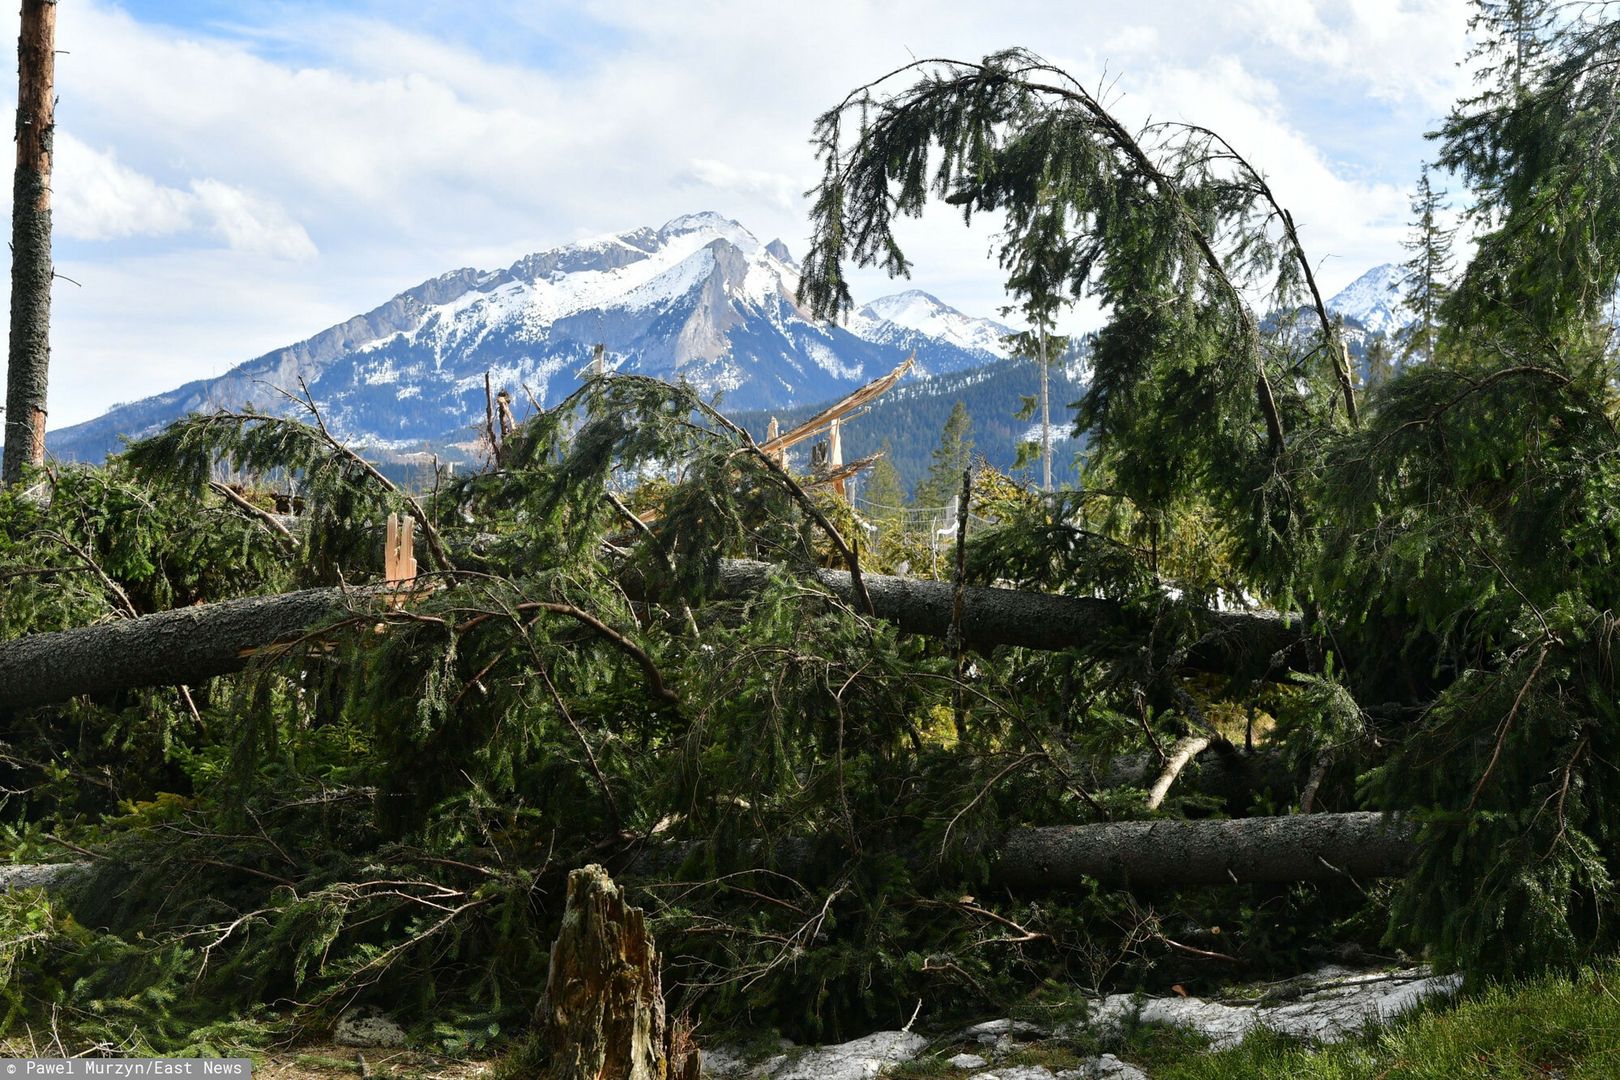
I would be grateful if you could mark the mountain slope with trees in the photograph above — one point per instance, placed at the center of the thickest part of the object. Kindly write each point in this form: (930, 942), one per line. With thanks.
(699, 299)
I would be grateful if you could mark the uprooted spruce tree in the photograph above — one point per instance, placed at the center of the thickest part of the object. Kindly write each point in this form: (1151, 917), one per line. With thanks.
(639, 641)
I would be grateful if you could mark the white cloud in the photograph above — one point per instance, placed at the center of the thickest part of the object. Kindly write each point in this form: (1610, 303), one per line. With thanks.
(718, 176)
(251, 224)
(406, 153)
(96, 197)
(1346, 223)
(1385, 47)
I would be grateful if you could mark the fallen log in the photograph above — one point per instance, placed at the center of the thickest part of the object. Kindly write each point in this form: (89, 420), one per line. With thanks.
(1152, 854)
(1233, 642)
(182, 647)
(1172, 852)
(191, 645)
(1181, 753)
(1157, 854)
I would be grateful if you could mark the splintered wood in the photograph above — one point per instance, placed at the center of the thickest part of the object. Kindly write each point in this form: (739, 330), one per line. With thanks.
(830, 419)
(838, 410)
(399, 559)
(602, 1017)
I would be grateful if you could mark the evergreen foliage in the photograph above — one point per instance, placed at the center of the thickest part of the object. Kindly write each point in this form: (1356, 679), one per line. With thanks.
(386, 812)
(806, 800)
(1422, 537)
(1536, 145)
(1169, 228)
(1426, 272)
(881, 494)
(951, 457)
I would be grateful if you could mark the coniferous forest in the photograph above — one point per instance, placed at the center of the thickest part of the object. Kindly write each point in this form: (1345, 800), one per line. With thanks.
(1297, 664)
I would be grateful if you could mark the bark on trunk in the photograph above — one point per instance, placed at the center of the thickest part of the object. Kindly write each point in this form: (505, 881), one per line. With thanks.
(30, 352)
(1166, 853)
(603, 1013)
(1157, 854)
(194, 644)
(186, 646)
(1154, 854)
(1234, 643)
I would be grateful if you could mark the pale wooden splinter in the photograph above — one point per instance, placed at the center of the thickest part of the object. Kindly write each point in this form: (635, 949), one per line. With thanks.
(399, 558)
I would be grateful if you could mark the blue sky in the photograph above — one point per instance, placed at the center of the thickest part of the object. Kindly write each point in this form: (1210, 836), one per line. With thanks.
(236, 176)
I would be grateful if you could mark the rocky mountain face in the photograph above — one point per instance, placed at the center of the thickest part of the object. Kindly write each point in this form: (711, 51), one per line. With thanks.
(700, 299)
(1373, 300)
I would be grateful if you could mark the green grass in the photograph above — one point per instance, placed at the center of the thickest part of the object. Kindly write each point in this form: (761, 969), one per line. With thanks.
(1553, 1027)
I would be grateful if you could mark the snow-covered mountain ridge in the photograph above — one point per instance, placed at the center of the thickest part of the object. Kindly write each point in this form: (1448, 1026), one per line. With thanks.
(700, 299)
(1374, 300)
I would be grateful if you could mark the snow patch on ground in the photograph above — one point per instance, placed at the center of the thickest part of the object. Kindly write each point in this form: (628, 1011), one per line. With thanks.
(1325, 1006)
(828, 361)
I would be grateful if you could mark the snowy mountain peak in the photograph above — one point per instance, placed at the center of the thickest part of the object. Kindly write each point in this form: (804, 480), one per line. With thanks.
(709, 223)
(1374, 300)
(925, 314)
(909, 308)
(699, 298)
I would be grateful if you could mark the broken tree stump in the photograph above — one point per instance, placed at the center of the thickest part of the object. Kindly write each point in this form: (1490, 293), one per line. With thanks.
(603, 1013)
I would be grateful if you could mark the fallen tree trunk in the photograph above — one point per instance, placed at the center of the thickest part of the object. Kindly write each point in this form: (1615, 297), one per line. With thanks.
(1164, 853)
(1170, 852)
(1233, 642)
(1181, 753)
(1155, 854)
(190, 645)
(182, 647)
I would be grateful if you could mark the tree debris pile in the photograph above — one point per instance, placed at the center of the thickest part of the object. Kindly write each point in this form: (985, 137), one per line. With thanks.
(835, 794)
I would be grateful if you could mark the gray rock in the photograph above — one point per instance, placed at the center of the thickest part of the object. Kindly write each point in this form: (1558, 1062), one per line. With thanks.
(1106, 1067)
(996, 1028)
(41, 875)
(859, 1059)
(368, 1026)
(1326, 1005)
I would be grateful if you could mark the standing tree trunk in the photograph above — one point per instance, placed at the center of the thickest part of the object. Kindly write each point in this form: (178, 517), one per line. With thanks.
(31, 242)
(603, 1014)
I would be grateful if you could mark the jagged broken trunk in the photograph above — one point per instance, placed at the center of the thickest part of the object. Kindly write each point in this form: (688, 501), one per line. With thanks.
(603, 1013)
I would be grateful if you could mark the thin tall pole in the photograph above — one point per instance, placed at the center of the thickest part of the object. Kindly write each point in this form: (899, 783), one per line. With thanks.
(1046, 420)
